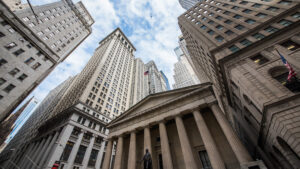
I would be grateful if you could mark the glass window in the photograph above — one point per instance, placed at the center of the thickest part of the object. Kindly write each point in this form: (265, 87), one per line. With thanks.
(285, 22)
(2, 81)
(290, 45)
(9, 88)
(14, 71)
(244, 2)
(296, 15)
(226, 13)
(271, 29)
(285, 2)
(67, 151)
(219, 38)
(203, 27)
(204, 159)
(219, 17)
(234, 48)
(229, 32)
(211, 32)
(245, 42)
(256, 5)
(93, 158)
(250, 21)
(2, 34)
(211, 22)
(273, 9)
(2, 62)
(228, 21)
(239, 27)
(10, 45)
(220, 27)
(29, 60)
(258, 36)
(22, 77)
(18, 52)
(80, 154)
(36, 65)
(259, 59)
(261, 15)
(237, 16)
(247, 11)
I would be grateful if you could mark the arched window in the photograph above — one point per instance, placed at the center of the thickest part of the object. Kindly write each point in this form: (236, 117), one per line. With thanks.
(281, 158)
(280, 73)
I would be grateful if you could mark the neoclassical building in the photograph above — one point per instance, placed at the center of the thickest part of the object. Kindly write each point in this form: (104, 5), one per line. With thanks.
(182, 129)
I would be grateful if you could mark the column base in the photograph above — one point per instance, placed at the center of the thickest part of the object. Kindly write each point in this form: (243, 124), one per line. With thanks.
(254, 165)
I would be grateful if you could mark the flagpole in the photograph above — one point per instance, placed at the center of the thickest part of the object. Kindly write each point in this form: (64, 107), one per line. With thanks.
(149, 82)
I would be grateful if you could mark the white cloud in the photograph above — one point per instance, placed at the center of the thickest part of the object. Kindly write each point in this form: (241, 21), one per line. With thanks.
(151, 25)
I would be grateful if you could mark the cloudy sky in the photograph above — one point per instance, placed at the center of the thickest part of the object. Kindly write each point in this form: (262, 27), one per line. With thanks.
(151, 25)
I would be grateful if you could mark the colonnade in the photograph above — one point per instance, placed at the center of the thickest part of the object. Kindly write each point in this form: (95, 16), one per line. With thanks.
(214, 155)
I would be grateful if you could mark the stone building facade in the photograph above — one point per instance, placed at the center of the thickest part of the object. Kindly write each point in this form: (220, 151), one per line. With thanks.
(32, 46)
(182, 128)
(235, 43)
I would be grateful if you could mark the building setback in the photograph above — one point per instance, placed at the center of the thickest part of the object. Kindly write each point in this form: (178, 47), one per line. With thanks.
(235, 44)
(181, 128)
(187, 4)
(32, 46)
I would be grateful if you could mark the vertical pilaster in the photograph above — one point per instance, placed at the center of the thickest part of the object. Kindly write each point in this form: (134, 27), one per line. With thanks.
(118, 161)
(165, 148)
(132, 151)
(106, 162)
(99, 160)
(74, 151)
(88, 152)
(45, 155)
(39, 156)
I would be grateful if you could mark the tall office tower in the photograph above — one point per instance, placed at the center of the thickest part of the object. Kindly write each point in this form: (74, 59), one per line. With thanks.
(187, 4)
(184, 74)
(31, 50)
(142, 74)
(77, 120)
(166, 81)
(178, 52)
(237, 44)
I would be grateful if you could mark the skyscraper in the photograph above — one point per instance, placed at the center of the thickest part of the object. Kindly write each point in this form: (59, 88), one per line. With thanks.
(187, 4)
(157, 82)
(238, 44)
(32, 46)
(166, 81)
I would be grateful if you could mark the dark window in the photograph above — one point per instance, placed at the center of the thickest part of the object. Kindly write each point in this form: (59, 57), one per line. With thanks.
(245, 42)
(235, 8)
(219, 38)
(76, 131)
(237, 16)
(2, 62)
(244, 2)
(1, 97)
(211, 32)
(258, 36)
(273, 9)
(99, 139)
(271, 29)
(296, 15)
(229, 32)
(228, 21)
(93, 158)
(247, 11)
(203, 27)
(9, 88)
(3, 23)
(80, 154)
(290, 45)
(22, 77)
(220, 27)
(219, 17)
(284, 2)
(261, 15)
(18, 52)
(234, 48)
(79, 119)
(239, 27)
(281, 75)
(2, 81)
(36, 65)
(29, 60)
(226, 12)
(204, 159)
(259, 59)
(256, 5)
(67, 151)
(2, 34)
(285, 22)
(211, 22)
(10, 45)
(250, 21)
(14, 71)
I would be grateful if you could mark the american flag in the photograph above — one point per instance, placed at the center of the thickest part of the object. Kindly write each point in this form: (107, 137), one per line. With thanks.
(146, 73)
(292, 73)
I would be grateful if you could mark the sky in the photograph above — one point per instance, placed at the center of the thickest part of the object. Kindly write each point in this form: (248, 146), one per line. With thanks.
(151, 25)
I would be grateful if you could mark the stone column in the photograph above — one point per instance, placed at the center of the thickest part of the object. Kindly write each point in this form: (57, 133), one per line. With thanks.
(100, 155)
(59, 145)
(27, 156)
(118, 161)
(88, 152)
(107, 157)
(28, 150)
(74, 151)
(147, 140)
(209, 143)
(238, 148)
(39, 156)
(132, 151)
(165, 149)
(32, 162)
(45, 155)
(187, 152)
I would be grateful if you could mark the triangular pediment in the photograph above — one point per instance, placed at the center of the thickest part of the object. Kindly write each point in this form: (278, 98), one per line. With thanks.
(156, 100)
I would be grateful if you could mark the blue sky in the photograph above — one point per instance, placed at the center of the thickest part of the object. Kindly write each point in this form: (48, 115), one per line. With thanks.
(151, 25)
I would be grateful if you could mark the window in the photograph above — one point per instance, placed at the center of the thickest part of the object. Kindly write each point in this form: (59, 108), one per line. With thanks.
(226, 12)
(36, 65)
(285, 22)
(93, 158)
(4, 23)
(259, 59)
(295, 15)
(9, 88)
(245, 42)
(2, 34)
(211, 22)
(29, 60)
(235, 8)
(261, 15)
(256, 5)
(67, 151)
(258, 36)
(22, 77)
(31, 25)
(284, 2)
(211, 32)
(229, 32)
(14, 71)
(290, 45)
(203, 27)
(2, 81)
(10, 45)
(220, 27)
(239, 27)
(228, 21)
(281, 73)
(250, 21)
(234, 48)
(2, 62)
(244, 2)
(237, 16)
(271, 29)
(247, 11)
(204, 159)
(273, 9)
(18, 52)
(219, 17)
(219, 38)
